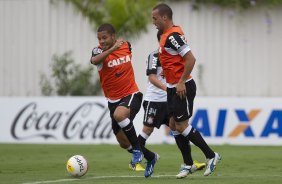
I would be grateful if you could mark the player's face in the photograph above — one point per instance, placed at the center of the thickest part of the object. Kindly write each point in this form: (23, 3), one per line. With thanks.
(106, 40)
(158, 20)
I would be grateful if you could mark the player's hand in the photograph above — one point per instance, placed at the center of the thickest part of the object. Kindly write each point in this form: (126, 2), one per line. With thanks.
(162, 74)
(118, 43)
(181, 90)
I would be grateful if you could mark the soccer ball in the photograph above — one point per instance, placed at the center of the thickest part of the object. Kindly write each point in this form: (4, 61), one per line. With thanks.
(77, 166)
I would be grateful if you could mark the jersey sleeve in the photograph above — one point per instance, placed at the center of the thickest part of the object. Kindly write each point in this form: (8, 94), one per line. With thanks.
(177, 42)
(96, 51)
(152, 62)
(129, 46)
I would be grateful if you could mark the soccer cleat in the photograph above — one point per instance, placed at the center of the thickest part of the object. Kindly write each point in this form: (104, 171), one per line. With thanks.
(136, 167)
(211, 164)
(137, 156)
(185, 170)
(199, 165)
(150, 166)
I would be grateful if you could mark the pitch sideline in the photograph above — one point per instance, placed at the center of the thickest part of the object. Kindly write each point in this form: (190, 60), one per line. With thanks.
(155, 176)
(94, 177)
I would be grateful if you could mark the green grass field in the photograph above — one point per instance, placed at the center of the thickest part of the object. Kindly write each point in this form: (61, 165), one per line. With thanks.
(36, 164)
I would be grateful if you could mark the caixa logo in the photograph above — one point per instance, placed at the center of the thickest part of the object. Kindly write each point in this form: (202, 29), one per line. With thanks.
(272, 124)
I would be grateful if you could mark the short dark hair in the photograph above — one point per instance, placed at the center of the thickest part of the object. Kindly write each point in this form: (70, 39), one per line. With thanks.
(107, 27)
(159, 34)
(164, 9)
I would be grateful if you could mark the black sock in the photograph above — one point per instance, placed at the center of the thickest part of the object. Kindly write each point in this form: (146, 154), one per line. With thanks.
(130, 133)
(196, 138)
(149, 155)
(185, 148)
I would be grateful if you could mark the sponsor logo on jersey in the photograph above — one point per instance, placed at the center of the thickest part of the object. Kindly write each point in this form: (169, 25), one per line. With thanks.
(119, 61)
(154, 62)
(174, 42)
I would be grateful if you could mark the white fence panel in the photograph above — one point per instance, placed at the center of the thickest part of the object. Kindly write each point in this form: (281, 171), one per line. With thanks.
(238, 53)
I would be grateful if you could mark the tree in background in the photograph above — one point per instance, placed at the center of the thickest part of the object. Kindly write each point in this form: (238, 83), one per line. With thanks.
(69, 79)
(129, 17)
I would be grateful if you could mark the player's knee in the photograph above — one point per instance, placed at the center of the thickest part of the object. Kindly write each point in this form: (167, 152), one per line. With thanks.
(178, 129)
(120, 114)
(119, 117)
(181, 126)
(172, 127)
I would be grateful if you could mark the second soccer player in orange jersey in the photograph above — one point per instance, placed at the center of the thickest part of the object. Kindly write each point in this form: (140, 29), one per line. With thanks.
(178, 61)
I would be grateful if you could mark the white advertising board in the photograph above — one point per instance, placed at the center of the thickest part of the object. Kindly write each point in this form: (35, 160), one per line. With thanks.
(86, 120)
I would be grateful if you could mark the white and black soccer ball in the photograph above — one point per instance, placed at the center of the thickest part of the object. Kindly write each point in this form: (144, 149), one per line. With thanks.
(77, 166)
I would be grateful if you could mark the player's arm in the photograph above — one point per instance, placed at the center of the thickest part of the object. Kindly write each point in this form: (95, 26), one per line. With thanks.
(99, 56)
(178, 43)
(155, 81)
(188, 67)
(152, 64)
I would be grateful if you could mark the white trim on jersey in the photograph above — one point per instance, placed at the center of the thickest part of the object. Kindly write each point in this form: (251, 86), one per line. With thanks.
(183, 50)
(171, 51)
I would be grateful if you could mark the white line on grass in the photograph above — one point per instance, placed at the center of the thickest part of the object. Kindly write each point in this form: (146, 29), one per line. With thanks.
(94, 177)
(155, 176)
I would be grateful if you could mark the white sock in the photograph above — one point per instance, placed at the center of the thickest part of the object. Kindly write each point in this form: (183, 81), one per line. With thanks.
(144, 135)
(124, 123)
(187, 131)
(175, 133)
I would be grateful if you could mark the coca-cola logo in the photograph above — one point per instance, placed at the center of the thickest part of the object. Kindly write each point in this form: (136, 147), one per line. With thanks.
(89, 120)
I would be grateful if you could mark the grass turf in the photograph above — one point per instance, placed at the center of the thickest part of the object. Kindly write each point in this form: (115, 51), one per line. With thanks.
(36, 164)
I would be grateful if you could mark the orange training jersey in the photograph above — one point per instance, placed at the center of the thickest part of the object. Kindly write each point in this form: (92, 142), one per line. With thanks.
(173, 47)
(116, 72)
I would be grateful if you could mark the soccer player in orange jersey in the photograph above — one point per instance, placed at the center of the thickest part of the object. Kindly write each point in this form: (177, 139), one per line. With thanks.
(113, 60)
(177, 62)
(155, 108)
